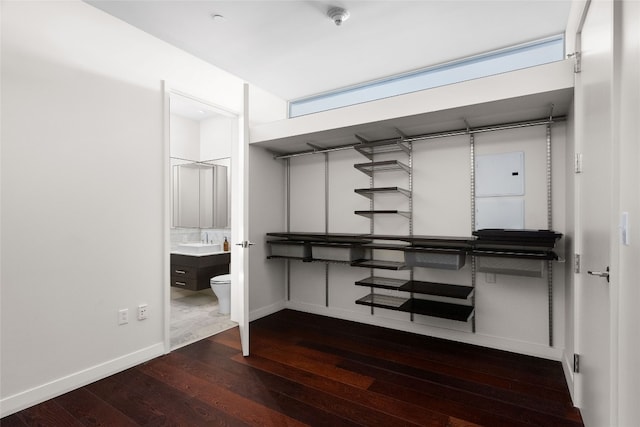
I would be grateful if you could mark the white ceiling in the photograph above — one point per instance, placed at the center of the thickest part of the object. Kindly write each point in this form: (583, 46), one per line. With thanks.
(293, 50)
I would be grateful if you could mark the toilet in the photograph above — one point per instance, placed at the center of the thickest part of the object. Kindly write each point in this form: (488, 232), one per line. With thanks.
(221, 286)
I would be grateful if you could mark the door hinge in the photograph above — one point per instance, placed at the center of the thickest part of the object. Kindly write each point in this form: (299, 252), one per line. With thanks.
(577, 61)
(576, 263)
(576, 363)
(577, 163)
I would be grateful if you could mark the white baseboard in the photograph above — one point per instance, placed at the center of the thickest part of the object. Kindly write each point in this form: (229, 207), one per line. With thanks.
(567, 367)
(499, 343)
(27, 398)
(265, 311)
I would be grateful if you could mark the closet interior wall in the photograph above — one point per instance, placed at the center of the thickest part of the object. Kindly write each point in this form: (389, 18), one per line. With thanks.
(512, 313)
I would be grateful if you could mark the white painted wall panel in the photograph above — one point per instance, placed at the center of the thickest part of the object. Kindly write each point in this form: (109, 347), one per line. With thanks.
(185, 138)
(343, 292)
(308, 283)
(216, 137)
(500, 212)
(513, 308)
(442, 182)
(307, 178)
(343, 179)
(266, 213)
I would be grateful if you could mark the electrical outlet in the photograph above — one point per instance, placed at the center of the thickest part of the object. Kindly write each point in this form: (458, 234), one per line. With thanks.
(143, 311)
(123, 316)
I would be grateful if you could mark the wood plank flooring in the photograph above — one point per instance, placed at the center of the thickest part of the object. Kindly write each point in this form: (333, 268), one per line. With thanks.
(313, 370)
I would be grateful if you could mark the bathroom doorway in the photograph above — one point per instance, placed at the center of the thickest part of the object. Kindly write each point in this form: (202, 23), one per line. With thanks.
(200, 145)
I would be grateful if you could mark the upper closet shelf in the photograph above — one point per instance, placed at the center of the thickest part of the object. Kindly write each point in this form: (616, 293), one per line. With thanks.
(369, 192)
(384, 166)
(369, 149)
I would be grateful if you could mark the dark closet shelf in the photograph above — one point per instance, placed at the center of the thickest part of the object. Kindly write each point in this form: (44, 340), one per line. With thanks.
(384, 166)
(443, 310)
(384, 265)
(370, 214)
(369, 192)
(540, 255)
(322, 237)
(369, 149)
(418, 287)
(439, 289)
(529, 248)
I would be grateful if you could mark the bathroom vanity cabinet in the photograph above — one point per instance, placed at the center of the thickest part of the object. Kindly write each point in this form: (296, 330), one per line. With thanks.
(194, 272)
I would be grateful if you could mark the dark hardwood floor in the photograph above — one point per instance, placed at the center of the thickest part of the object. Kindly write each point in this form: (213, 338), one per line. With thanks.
(312, 370)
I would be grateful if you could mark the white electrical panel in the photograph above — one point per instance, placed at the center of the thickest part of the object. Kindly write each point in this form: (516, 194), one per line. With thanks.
(500, 175)
(500, 212)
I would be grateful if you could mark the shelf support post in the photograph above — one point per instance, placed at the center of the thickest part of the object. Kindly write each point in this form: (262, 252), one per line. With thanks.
(549, 227)
(326, 225)
(288, 185)
(472, 163)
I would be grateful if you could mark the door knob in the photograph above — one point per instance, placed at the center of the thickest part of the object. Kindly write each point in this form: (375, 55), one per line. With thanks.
(245, 244)
(604, 274)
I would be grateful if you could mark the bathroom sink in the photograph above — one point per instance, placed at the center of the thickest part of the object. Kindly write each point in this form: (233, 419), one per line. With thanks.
(199, 248)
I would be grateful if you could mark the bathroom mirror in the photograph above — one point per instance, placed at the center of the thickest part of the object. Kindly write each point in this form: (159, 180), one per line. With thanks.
(200, 195)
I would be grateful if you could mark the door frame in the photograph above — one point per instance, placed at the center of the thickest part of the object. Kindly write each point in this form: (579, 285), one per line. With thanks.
(167, 91)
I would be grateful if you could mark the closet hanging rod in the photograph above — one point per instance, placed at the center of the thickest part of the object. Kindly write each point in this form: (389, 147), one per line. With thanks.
(424, 137)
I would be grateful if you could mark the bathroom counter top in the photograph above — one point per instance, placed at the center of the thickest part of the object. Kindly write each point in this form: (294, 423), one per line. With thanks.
(179, 252)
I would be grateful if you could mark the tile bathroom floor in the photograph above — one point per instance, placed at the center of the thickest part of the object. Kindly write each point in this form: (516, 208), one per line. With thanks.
(194, 316)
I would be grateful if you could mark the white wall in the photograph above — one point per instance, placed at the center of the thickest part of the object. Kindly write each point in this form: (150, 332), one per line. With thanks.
(201, 140)
(83, 192)
(185, 138)
(569, 254)
(511, 313)
(266, 213)
(216, 137)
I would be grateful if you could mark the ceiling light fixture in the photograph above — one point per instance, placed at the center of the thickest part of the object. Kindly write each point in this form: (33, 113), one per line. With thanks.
(217, 17)
(338, 15)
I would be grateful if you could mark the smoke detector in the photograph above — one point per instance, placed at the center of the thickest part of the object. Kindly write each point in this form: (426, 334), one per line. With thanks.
(338, 15)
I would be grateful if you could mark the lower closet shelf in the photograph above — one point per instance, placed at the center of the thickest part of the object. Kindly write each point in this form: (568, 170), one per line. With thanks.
(424, 307)
(384, 265)
(418, 287)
